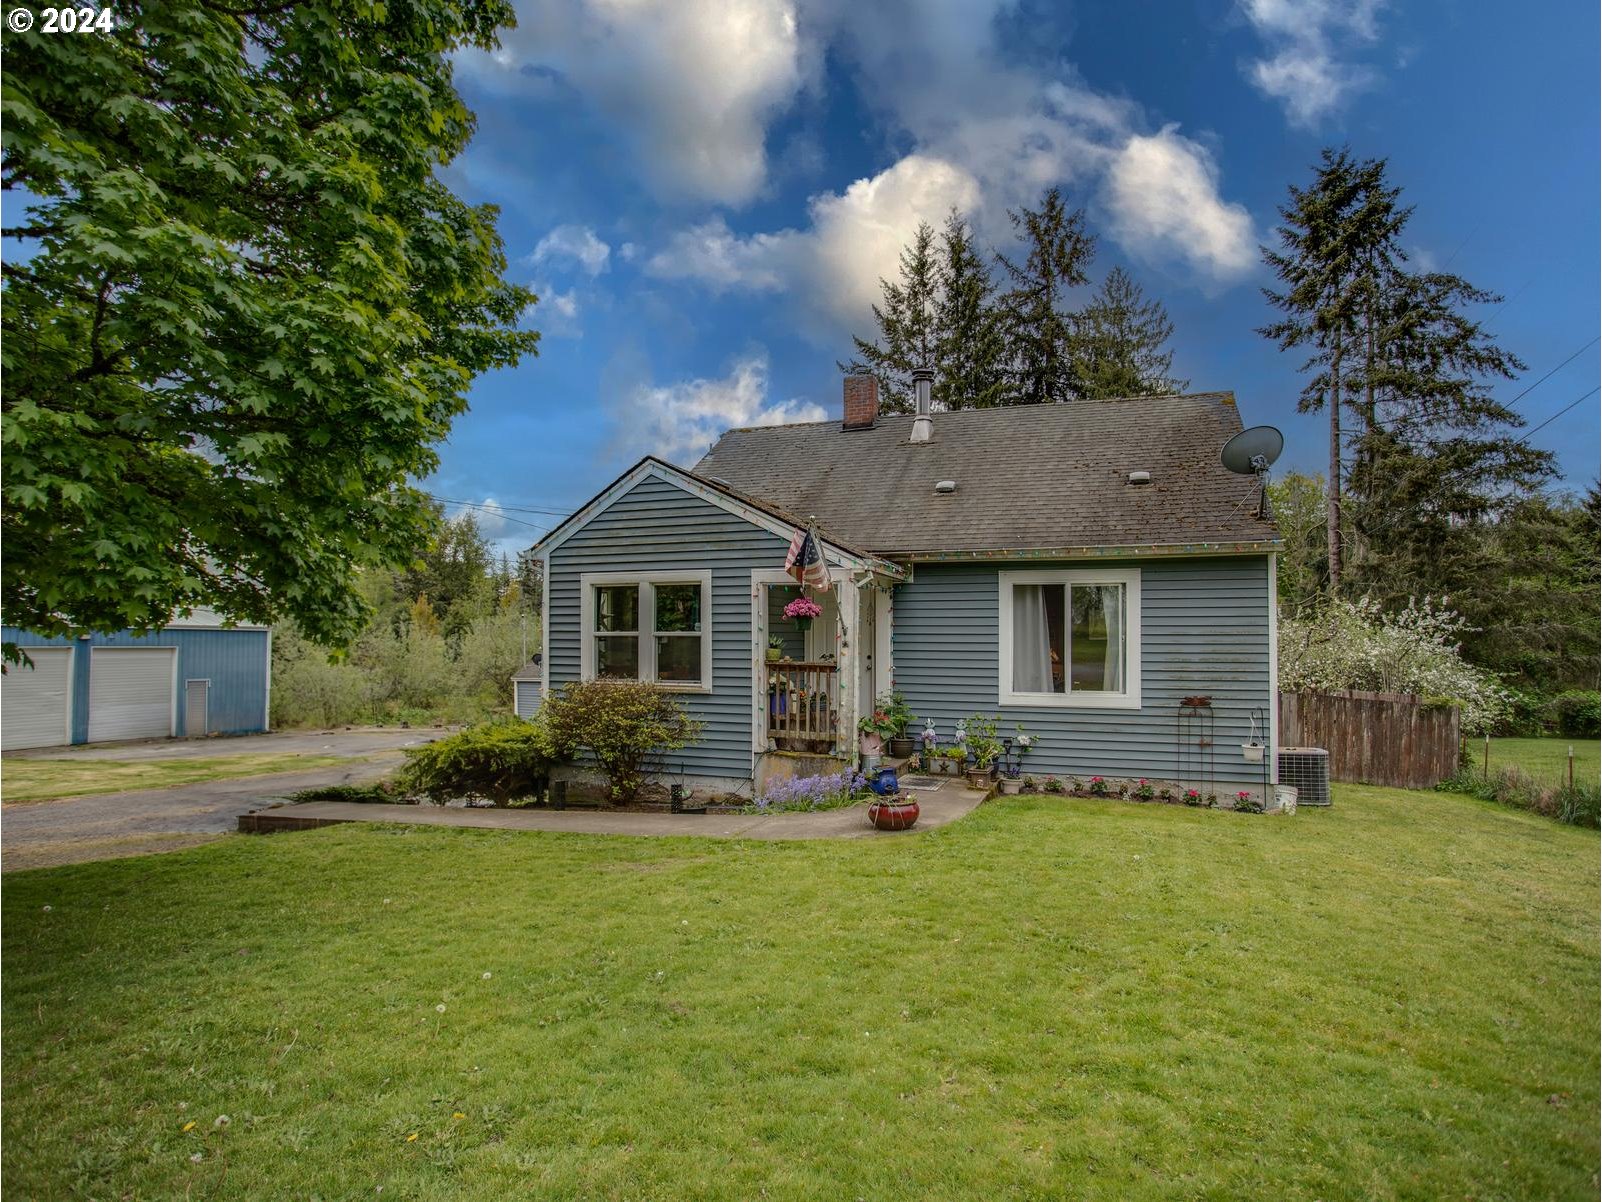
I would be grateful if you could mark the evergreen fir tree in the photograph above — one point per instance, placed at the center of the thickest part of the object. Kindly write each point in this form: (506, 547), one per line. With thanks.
(1339, 245)
(1121, 343)
(970, 346)
(906, 321)
(1039, 324)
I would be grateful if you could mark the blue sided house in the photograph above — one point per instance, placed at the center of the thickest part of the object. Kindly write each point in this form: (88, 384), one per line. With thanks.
(198, 676)
(1087, 571)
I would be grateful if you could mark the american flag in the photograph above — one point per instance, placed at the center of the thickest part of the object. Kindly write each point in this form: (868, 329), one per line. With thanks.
(805, 561)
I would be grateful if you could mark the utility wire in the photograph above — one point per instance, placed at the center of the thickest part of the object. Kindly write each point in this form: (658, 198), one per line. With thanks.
(1562, 411)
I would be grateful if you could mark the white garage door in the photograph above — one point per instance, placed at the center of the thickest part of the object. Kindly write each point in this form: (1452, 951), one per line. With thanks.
(130, 692)
(36, 702)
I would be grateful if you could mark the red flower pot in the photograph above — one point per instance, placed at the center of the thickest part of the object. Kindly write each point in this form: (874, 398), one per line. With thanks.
(895, 815)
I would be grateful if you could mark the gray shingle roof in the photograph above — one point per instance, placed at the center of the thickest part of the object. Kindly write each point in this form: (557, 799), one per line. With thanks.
(1029, 477)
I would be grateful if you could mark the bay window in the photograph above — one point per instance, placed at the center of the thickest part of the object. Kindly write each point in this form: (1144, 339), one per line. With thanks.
(652, 627)
(1070, 637)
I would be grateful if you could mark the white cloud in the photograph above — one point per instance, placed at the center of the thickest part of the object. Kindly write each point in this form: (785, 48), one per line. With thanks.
(835, 264)
(1304, 38)
(576, 243)
(693, 82)
(678, 422)
(1163, 194)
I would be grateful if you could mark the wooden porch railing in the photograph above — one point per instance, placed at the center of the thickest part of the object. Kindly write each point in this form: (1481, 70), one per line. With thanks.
(802, 705)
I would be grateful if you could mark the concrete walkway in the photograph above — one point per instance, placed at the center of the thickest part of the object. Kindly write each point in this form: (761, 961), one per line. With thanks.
(936, 809)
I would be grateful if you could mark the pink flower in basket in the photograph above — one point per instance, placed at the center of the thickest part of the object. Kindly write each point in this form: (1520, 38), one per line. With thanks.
(803, 607)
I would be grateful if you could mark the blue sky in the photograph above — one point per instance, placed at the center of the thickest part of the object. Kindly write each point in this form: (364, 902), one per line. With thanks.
(705, 193)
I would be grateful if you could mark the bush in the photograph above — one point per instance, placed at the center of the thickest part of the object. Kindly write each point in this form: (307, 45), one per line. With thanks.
(1529, 715)
(505, 761)
(382, 793)
(1579, 805)
(1577, 713)
(623, 725)
(1355, 645)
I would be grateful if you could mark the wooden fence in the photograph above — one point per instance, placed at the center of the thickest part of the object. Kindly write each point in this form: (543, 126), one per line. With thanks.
(1374, 738)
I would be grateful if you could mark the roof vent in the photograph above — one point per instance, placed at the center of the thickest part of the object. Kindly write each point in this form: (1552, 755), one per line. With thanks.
(1140, 477)
(945, 486)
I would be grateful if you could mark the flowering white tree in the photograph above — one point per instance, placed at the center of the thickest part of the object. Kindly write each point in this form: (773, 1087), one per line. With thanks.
(1354, 645)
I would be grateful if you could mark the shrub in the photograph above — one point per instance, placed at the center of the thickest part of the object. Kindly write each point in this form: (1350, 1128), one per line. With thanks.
(1580, 805)
(507, 760)
(376, 794)
(1355, 645)
(1577, 713)
(829, 792)
(1528, 715)
(1247, 804)
(622, 725)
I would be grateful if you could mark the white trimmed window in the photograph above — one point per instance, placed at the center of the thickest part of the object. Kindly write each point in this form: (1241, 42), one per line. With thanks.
(1070, 638)
(653, 627)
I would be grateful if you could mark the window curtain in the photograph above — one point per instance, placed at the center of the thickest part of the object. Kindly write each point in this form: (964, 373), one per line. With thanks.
(1112, 608)
(1031, 640)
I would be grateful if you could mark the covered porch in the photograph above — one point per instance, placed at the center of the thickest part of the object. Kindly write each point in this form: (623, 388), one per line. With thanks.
(812, 679)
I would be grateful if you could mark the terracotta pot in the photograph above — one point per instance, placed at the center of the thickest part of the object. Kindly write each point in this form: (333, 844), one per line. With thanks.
(901, 747)
(869, 742)
(897, 814)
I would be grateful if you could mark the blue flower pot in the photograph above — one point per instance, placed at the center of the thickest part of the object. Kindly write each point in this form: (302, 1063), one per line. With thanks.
(884, 782)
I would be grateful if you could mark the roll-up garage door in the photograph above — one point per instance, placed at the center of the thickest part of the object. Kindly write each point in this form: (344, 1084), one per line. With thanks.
(130, 693)
(35, 703)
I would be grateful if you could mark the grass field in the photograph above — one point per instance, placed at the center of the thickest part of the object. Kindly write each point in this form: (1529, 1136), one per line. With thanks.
(1395, 998)
(44, 780)
(1544, 759)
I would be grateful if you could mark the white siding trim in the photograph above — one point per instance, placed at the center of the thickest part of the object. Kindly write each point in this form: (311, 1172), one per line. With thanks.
(647, 581)
(1127, 700)
(545, 625)
(648, 469)
(1273, 669)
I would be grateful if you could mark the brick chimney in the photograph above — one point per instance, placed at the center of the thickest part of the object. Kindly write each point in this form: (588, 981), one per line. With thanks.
(861, 403)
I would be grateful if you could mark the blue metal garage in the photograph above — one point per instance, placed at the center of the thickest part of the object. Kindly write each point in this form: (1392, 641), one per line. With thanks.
(195, 677)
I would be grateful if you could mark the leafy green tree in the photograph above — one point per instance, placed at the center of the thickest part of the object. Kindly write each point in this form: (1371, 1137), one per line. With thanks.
(906, 321)
(1338, 242)
(1121, 343)
(970, 340)
(454, 568)
(245, 308)
(1300, 505)
(1039, 323)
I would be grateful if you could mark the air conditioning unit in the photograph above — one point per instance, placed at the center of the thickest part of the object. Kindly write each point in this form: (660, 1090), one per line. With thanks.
(1307, 770)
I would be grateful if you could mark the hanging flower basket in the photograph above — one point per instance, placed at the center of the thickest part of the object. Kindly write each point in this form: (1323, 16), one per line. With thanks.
(802, 610)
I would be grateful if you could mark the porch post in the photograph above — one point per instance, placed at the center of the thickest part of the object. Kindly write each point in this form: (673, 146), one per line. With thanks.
(849, 604)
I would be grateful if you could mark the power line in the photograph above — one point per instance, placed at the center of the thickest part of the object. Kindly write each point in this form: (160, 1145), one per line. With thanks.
(491, 508)
(1562, 411)
(1554, 371)
(540, 509)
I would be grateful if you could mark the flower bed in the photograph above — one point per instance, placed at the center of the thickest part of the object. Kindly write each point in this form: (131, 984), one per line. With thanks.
(807, 793)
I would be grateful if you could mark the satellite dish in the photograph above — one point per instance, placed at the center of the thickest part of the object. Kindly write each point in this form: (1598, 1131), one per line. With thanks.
(1250, 453)
(1253, 451)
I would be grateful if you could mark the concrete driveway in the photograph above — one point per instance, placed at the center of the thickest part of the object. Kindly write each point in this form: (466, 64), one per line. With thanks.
(105, 825)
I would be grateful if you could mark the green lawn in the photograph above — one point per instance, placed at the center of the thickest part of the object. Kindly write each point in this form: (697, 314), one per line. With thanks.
(1396, 998)
(43, 780)
(1544, 759)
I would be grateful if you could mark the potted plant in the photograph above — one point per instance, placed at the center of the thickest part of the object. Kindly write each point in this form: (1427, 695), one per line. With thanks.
(775, 649)
(871, 732)
(802, 610)
(893, 705)
(1011, 785)
(985, 749)
(893, 813)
